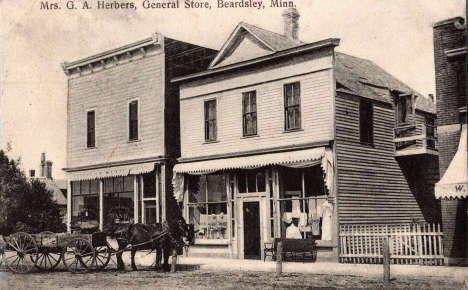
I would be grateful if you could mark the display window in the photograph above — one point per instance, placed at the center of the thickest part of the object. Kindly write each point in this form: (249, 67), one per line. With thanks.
(207, 205)
(304, 208)
(118, 201)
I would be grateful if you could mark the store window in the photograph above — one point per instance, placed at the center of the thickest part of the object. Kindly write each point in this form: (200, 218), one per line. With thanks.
(305, 211)
(207, 205)
(118, 201)
(85, 200)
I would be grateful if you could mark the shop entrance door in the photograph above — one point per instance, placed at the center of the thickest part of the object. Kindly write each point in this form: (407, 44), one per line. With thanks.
(252, 230)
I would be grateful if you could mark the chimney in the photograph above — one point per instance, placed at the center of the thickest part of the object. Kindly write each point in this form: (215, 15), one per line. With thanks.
(32, 173)
(43, 169)
(291, 23)
(431, 97)
(49, 169)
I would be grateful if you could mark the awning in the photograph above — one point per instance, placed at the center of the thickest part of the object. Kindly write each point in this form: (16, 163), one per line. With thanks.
(113, 171)
(301, 158)
(454, 182)
(296, 159)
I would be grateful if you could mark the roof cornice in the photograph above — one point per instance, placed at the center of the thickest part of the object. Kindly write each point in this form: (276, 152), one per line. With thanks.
(457, 21)
(331, 42)
(155, 39)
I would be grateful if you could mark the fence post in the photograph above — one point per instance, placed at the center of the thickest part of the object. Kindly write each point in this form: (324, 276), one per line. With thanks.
(174, 260)
(279, 258)
(386, 260)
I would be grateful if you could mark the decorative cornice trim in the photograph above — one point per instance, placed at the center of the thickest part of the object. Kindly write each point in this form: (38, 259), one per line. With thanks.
(118, 163)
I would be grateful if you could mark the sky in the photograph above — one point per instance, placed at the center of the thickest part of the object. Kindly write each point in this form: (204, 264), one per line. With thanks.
(396, 35)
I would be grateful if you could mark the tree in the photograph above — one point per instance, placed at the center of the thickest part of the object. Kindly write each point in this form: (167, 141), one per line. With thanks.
(25, 205)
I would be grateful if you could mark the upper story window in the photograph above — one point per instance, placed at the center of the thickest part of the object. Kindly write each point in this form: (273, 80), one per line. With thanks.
(249, 113)
(292, 106)
(91, 129)
(210, 120)
(366, 122)
(133, 120)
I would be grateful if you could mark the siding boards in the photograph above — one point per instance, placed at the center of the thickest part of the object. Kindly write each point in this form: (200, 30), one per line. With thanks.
(316, 122)
(108, 92)
(371, 186)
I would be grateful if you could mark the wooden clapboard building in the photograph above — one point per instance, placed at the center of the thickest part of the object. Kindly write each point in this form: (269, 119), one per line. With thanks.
(278, 133)
(123, 131)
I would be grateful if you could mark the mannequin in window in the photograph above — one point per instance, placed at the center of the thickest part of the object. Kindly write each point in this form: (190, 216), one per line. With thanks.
(292, 232)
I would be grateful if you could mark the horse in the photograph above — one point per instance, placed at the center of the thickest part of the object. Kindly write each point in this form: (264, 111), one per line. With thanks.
(161, 237)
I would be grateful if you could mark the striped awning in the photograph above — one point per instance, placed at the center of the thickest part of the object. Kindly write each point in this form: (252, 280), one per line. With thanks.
(300, 158)
(454, 183)
(113, 171)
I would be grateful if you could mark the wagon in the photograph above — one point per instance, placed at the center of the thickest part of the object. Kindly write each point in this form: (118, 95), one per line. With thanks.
(79, 252)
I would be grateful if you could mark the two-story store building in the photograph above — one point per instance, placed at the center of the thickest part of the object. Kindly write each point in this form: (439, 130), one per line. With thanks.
(123, 130)
(450, 71)
(278, 132)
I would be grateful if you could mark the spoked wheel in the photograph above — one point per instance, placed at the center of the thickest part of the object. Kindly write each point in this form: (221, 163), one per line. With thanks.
(20, 253)
(103, 256)
(48, 259)
(78, 256)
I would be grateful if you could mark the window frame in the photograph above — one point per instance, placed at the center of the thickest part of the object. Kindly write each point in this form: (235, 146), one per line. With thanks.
(370, 116)
(206, 121)
(286, 107)
(129, 120)
(251, 113)
(88, 111)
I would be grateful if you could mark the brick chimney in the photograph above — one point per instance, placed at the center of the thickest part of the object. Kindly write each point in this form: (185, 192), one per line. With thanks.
(291, 23)
(431, 97)
(49, 169)
(43, 169)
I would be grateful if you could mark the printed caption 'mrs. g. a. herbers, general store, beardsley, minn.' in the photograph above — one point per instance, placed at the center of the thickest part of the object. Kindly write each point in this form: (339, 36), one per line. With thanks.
(151, 4)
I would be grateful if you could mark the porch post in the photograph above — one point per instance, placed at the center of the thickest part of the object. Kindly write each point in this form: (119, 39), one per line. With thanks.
(163, 190)
(69, 206)
(101, 204)
(135, 199)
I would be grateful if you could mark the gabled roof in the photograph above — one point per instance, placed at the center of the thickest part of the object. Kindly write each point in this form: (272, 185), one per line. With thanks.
(268, 40)
(58, 188)
(364, 78)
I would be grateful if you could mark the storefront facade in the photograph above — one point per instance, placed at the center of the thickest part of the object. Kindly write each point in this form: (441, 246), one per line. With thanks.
(239, 204)
(117, 195)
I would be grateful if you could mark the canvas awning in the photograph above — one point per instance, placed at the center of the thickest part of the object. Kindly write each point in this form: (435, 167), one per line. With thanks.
(301, 158)
(113, 171)
(295, 159)
(454, 182)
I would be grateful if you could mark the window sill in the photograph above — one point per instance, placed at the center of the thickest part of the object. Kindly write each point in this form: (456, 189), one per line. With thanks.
(210, 142)
(250, 136)
(91, 148)
(293, 130)
(211, 242)
(370, 145)
(133, 141)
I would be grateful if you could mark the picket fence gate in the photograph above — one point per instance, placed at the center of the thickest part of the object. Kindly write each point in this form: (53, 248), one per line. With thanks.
(417, 244)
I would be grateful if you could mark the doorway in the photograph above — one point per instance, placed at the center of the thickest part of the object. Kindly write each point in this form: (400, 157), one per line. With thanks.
(252, 230)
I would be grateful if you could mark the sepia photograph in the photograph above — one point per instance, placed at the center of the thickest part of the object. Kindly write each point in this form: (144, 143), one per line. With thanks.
(212, 144)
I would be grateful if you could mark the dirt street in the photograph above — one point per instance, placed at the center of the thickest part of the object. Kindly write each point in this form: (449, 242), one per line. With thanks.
(193, 278)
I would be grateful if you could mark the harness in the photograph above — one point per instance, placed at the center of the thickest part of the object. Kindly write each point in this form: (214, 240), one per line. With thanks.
(153, 239)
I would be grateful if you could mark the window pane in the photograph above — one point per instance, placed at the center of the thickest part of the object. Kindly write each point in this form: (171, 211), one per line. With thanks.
(128, 183)
(261, 181)
(150, 211)
(242, 181)
(76, 187)
(216, 188)
(118, 184)
(292, 179)
(297, 115)
(149, 181)
(77, 204)
(251, 181)
(197, 188)
(109, 185)
(297, 93)
(94, 187)
(85, 187)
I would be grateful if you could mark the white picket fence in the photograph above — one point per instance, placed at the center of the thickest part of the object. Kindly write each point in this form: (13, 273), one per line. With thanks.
(420, 244)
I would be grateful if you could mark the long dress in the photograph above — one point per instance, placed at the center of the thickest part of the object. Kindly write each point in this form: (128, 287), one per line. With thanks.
(327, 211)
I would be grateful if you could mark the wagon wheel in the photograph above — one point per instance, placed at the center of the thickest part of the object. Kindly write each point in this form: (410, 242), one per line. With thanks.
(78, 256)
(48, 259)
(20, 253)
(103, 256)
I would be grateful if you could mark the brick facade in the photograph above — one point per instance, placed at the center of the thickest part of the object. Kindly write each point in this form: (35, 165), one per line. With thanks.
(450, 73)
